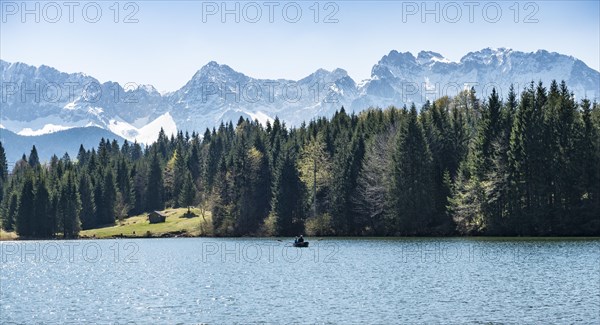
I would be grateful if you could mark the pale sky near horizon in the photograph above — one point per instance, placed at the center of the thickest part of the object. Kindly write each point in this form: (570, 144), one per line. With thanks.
(165, 43)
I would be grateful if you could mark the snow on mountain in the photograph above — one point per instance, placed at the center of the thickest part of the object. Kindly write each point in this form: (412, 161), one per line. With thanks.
(42, 100)
(217, 93)
(428, 58)
(149, 132)
(261, 117)
(145, 134)
(400, 78)
(42, 125)
(47, 128)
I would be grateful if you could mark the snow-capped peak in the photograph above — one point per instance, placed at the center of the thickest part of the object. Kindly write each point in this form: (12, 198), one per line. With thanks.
(215, 72)
(213, 67)
(323, 75)
(148, 88)
(398, 78)
(488, 56)
(429, 57)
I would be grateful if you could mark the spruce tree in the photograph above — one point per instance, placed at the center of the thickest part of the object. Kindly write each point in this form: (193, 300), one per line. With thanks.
(589, 149)
(187, 194)
(9, 209)
(109, 195)
(88, 207)
(25, 217)
(411, 181)
(221, 208)
(34, 160)
(489, 131)
(180, 169)
(43, 221)
(194, 163)
(69, 207)
(154, 188)
(3, 171)
(288, 207)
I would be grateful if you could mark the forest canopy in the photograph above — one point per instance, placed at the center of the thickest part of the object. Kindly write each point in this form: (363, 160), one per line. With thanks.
(525, 165)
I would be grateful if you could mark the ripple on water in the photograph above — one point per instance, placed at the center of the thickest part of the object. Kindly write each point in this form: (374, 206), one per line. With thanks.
(335, 281)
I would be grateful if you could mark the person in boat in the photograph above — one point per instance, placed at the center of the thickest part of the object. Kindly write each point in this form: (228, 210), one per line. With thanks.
(296, 240)
(300, 239)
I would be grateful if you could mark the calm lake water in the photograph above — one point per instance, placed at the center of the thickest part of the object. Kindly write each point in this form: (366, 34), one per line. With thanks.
(224, 281)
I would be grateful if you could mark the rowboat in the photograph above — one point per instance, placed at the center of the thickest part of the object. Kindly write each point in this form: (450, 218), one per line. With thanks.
(302, 244)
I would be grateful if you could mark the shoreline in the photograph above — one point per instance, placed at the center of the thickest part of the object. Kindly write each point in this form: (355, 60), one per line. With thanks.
(185, 235)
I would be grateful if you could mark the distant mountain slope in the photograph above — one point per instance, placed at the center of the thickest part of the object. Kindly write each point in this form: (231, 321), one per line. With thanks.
(42, 100)
(54, 143)
(37, 100)
(404, 78)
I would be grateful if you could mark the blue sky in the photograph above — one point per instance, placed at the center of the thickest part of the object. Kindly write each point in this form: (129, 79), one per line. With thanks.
(171, 40)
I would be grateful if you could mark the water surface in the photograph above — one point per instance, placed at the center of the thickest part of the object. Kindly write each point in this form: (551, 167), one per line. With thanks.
(206, 280)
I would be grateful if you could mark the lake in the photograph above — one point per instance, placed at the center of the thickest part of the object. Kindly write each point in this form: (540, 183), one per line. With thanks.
(262, 280)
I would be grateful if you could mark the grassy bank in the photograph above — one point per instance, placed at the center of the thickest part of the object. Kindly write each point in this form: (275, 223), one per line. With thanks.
(176, 224)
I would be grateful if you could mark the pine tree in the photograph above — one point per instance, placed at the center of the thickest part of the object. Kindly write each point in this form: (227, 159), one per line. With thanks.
(526, 163)
(88, 206)
(467, 202)
(221, 207)
(103, 152)
(568, 134)
(24, 221)
(180, 170)
(489, 131)
(9, 210)
(125, 149)
(136, 152)
(34, 160)
(437, 128)
(154, 188)
(82, 156)
(125, 187)
(346, 166)
(98, 188)
(109, 195)
(241, 188)
(193, 163)
(3, 171)
(288, 209)
(411, 181)
(260, 178)
(162, 144)
(213, 159)
(187, 194)
(138, 176)
(517, 165)
(488, 167)
(42, 221)
(589, 149)
(69, 207)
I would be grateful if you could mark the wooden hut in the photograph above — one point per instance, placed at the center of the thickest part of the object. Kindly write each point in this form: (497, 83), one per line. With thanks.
(156, 217)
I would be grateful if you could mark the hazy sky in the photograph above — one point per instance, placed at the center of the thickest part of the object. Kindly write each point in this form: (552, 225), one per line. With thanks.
(164, 43)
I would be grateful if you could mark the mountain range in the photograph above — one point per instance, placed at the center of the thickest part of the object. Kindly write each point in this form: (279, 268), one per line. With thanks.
(42, 103)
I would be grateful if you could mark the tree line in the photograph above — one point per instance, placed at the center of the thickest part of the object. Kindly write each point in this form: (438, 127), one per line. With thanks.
(525, 165)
